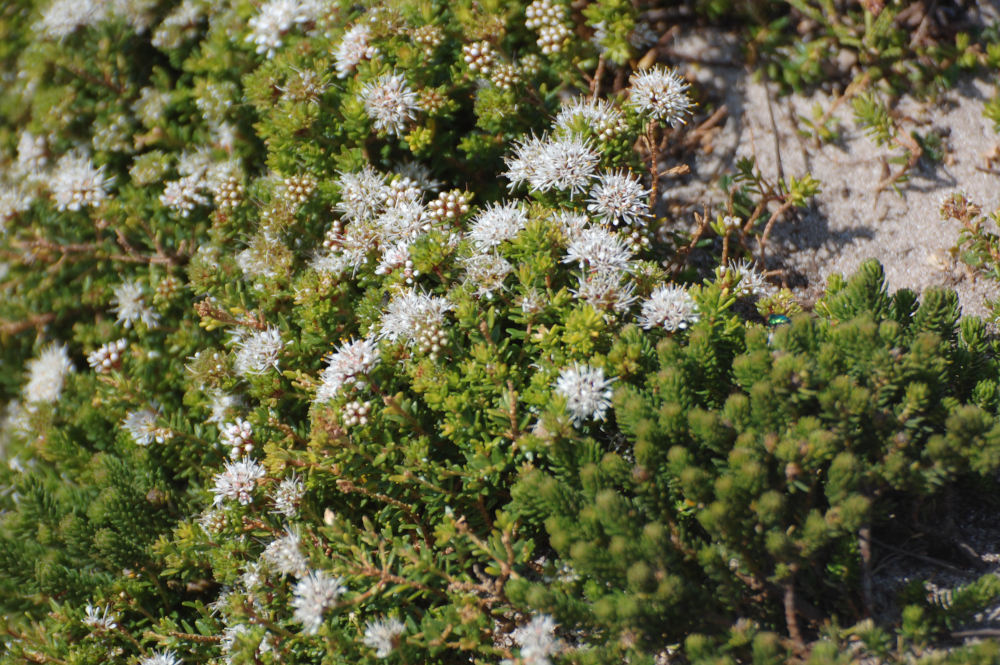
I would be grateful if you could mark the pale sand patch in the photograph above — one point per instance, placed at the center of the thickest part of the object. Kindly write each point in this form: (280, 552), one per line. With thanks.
(849, 221)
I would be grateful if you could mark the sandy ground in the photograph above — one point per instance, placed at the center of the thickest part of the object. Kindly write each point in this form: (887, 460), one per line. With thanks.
(849, 221)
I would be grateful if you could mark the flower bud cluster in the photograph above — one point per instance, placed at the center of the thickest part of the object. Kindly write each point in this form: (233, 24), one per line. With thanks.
(297, 189)
(108, 356)
(479, 57)
(548, 18)
(355, 413)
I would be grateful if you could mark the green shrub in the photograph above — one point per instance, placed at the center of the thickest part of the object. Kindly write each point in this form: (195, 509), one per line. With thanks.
(335, 332)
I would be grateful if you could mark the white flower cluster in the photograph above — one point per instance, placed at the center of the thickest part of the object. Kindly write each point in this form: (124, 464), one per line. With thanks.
(497, 223)
(314, 595)
(237, 481)
(46, 374)
(108, 356)
(284, 555)
(76, 184)
(143, 428)
(32, 153)
(276, 18)
(288, 495)
(662, 95)
(390, 103)
(184, 195)
(537, 640)
(620, 199)
(599, 250)
(752, 282)
(129, 306)
(587, 392)
(346, 367)
(486, 273)
(258, 351)
(353, 48)
(160, 658)
(103, 618)
(670, 307)
(410, 311)
(565, 163)
(382, 635)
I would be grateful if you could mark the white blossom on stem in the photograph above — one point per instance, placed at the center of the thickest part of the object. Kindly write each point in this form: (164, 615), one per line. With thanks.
(587, 392)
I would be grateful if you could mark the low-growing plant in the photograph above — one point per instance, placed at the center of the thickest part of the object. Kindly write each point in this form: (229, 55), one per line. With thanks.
(343, 332)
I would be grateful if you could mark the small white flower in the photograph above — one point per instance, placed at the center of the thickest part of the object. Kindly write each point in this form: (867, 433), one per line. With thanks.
(497, 223)
(314, 594)
(160, 658)
(566, 163)
(151, 105)
(46, 374)
(486, 273)
(346, 367)
(402, 220)
(77, 184)
(185, 194)
(662, 95)
(598, 115)
(606, 289)
(212, 521)
(62, 17)
(671, 307)
(220, 403)
(362, 194)
(410, 310)
(142, 427)
(587, 392)
(284, 555)
(130, 307)
(258, 351)
(752, 281)
(32, 153)
(382, 635)
(353, 48)
(13, 201)
(108, 356)
(238, 435)
(100, 618)
(599, 250)
(620, 199)
(390, 103)
(238, 481)
(276, 18)
(288, 495)
(537, 640)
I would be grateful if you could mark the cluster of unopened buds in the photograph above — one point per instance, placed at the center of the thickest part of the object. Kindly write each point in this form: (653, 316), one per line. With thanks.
(403, 188)
(167, 288)
(429, 36)
(637, 239)
(238, 436)
(449, 206)
(297, 189)
(549, 19)
(429, 339)
(228, 193)
(479, 57)
(108, 356)
(355, 413)
(505, 76)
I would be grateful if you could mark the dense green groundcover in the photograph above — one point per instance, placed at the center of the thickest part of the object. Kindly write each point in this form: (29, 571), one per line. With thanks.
(346, 332)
